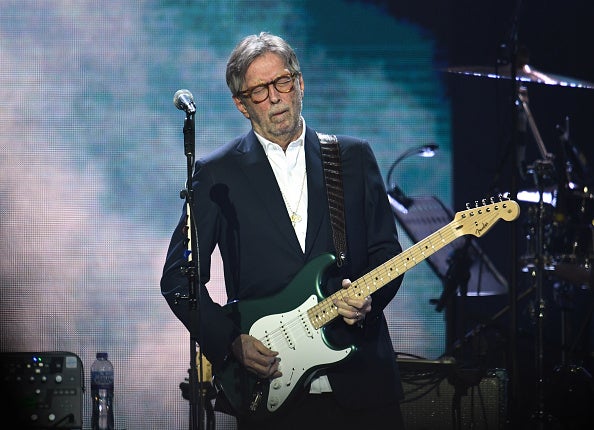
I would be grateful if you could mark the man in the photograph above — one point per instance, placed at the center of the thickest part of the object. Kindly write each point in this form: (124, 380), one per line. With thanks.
(262, 200)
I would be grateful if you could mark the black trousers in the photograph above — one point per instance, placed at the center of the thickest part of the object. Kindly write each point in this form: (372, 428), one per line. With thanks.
(321, 412)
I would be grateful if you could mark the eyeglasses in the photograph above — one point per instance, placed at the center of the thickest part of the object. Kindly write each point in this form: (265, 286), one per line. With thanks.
(259, 93)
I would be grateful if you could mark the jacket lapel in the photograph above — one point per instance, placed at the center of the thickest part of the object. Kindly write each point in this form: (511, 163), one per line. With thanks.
(260, 177)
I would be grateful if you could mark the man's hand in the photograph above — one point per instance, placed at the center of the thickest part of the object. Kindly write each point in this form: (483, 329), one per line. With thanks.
(352, 310)
(255, 357)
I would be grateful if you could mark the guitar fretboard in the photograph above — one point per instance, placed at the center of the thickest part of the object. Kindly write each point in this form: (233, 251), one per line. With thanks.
(473, 221)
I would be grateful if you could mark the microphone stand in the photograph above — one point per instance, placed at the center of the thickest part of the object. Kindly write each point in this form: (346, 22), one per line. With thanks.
(192, 272)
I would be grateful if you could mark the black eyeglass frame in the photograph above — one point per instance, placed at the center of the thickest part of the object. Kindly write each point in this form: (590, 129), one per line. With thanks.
(248, 93)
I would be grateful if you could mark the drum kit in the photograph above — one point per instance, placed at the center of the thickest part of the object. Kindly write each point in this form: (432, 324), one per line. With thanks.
(562, 202)
(558, 212)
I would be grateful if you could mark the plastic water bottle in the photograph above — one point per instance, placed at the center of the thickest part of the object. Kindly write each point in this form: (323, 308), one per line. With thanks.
(102, 393)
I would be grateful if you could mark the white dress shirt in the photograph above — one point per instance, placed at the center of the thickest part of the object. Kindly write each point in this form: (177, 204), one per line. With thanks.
(289, 169)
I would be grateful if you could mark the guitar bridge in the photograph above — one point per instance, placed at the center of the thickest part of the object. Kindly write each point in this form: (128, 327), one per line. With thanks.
(257, 396)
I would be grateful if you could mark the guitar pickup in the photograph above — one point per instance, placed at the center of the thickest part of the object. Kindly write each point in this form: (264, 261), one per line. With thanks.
(287, 337)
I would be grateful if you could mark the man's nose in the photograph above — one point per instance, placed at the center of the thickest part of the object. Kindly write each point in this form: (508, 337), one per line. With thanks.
(273, 93)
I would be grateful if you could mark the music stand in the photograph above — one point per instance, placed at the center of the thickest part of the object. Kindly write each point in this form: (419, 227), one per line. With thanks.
(426, 215)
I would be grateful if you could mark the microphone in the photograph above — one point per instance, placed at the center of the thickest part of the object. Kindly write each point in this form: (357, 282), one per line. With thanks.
(183, 100)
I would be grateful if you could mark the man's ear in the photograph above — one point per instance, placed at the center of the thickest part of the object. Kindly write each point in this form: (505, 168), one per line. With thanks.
(240, 106)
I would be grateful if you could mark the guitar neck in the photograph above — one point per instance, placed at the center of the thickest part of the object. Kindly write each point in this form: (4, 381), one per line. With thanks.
(325, 311)
(475, 221)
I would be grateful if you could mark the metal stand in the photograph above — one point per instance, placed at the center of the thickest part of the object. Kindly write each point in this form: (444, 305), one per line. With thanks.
(183, 101)
(206, 420)
(555, 228)
(540, 170)
(543, 173)
(455, 283)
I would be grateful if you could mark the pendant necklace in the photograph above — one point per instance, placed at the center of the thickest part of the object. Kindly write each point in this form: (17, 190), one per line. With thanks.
(294, 216)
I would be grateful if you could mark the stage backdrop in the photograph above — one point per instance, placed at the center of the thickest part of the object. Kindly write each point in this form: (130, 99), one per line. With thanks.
(92, 161)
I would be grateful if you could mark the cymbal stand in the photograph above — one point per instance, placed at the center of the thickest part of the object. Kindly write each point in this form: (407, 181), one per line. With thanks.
(524, 104)
(542, 171)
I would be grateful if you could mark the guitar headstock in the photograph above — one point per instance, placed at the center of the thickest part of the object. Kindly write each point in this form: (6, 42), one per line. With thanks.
(479, 219)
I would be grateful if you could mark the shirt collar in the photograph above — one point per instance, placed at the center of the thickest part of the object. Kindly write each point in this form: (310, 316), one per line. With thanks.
(269, 145)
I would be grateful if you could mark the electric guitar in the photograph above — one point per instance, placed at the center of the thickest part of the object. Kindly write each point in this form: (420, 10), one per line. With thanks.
(296, 329)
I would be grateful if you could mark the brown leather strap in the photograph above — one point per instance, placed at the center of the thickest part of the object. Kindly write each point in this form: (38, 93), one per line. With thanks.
(332, 173)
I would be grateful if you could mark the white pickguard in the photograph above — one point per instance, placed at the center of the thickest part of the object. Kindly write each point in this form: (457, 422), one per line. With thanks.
(300, 348)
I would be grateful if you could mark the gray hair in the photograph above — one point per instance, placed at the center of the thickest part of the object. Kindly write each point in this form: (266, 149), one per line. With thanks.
(250, 48)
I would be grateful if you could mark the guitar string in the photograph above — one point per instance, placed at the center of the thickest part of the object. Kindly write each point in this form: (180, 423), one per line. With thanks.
(426, 246)
(327, 307)
(378, 275)
(279, 334)
(399, 264)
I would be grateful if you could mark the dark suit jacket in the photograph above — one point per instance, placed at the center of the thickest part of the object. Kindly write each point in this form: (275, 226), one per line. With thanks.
(239, 207)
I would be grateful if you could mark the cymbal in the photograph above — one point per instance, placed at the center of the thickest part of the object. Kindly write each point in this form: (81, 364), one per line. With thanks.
(526, 73)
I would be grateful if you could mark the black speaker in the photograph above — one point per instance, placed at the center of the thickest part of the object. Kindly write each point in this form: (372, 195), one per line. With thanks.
(42, 390)
(439, 396)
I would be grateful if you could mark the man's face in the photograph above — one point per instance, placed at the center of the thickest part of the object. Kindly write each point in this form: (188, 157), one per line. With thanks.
(278, 117)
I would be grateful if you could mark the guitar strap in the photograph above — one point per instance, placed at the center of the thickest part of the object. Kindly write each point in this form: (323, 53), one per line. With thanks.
(330, 150)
